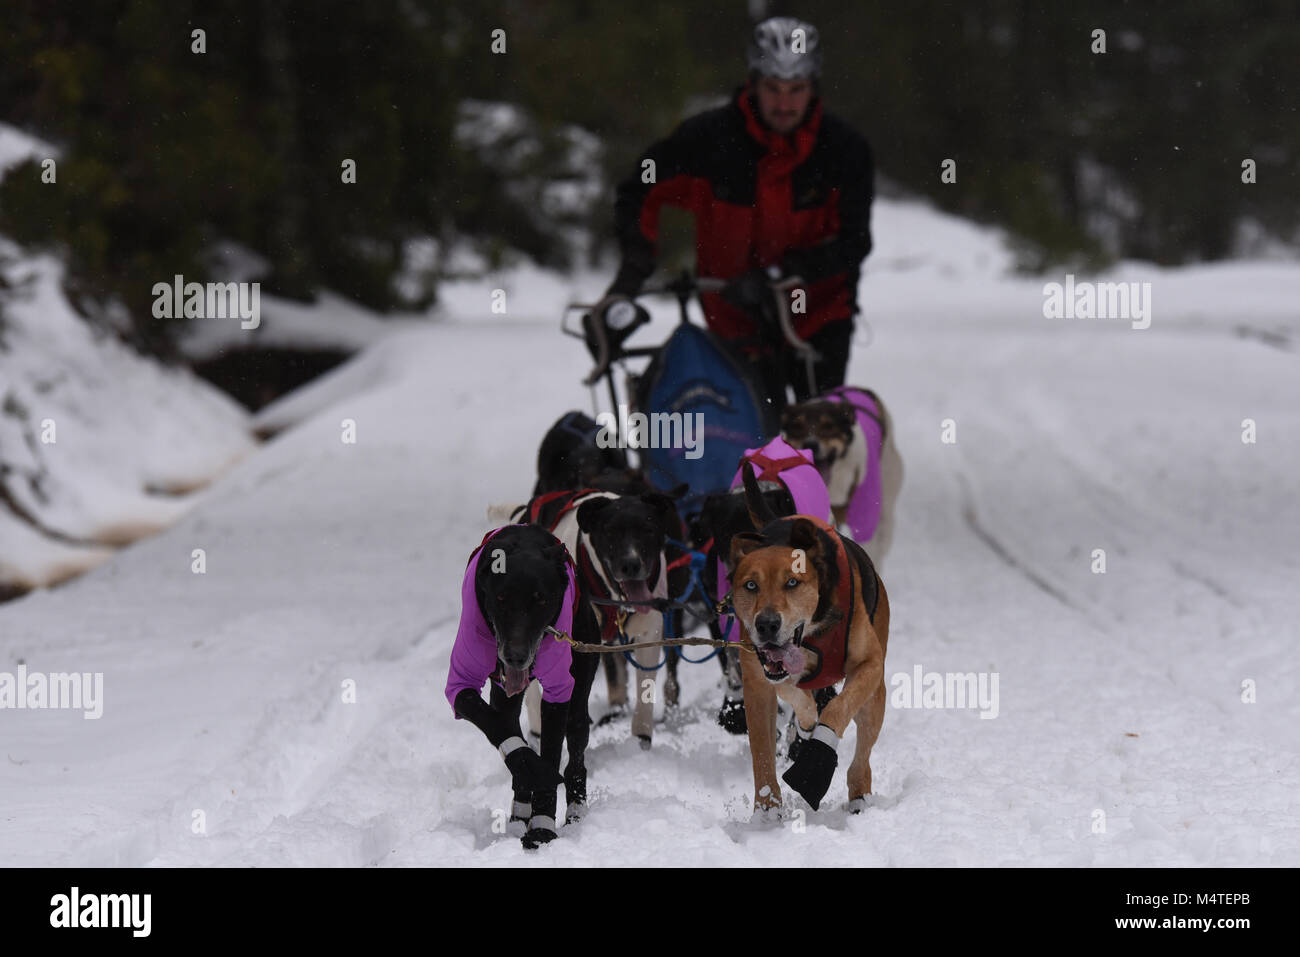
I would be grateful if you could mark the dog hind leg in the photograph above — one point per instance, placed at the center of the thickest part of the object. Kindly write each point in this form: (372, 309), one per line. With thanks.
(891, 481)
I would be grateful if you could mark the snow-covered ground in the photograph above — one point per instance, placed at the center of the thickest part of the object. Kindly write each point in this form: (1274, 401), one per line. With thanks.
(330, 563)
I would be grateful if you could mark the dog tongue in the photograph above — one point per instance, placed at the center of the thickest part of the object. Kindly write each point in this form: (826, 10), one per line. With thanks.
(636, 590)
(516, 680)
(792, 659)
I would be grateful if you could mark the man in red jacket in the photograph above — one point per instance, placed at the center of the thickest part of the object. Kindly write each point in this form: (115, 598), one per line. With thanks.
(781, 192)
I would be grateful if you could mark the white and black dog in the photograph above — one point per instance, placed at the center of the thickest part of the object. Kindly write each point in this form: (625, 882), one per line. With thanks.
(851, 435)
(618, 546)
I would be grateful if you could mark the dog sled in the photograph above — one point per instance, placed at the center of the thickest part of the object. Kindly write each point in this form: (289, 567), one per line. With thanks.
(693, 386)
(687, 415)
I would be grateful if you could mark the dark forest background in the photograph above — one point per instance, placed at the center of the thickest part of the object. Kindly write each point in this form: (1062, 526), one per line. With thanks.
(165, 153)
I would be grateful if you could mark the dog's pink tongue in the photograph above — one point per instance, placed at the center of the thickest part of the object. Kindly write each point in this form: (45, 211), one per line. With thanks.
(516, 680)
(792, 659)
(636, 590)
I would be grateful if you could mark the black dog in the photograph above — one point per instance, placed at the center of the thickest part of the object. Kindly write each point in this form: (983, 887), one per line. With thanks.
(522, 583)
(570, 457)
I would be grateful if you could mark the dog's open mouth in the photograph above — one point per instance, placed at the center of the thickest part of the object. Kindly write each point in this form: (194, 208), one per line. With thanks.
(782, 661)
(635, 590)
(514, 679)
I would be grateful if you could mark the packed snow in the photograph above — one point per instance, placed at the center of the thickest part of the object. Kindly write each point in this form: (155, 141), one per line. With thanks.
(1146, 715)
(99, 445)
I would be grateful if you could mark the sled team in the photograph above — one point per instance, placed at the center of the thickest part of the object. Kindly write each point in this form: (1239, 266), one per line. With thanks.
(783, 566)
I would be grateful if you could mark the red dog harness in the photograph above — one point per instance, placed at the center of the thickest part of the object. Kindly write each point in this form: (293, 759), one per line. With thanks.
(548, 510)
(832, 644)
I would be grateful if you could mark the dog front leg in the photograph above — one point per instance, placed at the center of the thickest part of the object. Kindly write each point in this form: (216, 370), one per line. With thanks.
(615, 683)
(868, 720)
(760, 712)
(509, 709)
(861, 684)
(533, 705)
(643, 627)
(541, 824)
(578, 731)
(805, 706)
(814, 768)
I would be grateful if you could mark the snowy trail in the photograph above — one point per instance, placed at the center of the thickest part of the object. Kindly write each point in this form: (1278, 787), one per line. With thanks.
(328, 562)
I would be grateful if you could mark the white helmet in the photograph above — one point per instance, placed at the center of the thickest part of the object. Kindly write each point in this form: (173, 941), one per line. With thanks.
(785, 48)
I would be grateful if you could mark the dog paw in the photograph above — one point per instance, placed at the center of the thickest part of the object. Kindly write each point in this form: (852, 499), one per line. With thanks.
(616, 713)
(858, 804)
(574, 814)
(644, 741)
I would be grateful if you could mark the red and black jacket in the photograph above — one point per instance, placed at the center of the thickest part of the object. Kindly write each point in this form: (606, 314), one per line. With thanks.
(759, 198)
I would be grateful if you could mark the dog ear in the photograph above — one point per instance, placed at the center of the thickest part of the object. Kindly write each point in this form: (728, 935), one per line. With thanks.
(589, 512)
(780, 501)
(741, 545)
(704, 520)
(557, 556)
(760, 513)
(818, 548)
(667, 509)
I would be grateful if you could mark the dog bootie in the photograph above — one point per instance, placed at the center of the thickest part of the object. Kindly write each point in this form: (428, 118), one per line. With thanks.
(812, 771)
(732, 715)
(520, 812)
(541, 830)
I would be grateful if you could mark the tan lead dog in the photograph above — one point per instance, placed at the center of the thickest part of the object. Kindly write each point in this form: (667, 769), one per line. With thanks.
(813, 609)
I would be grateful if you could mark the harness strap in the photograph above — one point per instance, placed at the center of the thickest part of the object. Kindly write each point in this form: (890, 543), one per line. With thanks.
(539, 504)
(596, 585)
(771, 469)
(867, 570)
(845, 396)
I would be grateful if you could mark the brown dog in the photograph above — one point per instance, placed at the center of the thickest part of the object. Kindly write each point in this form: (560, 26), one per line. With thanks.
(814, 611)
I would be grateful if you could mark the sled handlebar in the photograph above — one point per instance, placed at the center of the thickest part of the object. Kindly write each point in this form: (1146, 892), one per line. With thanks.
(684, 287)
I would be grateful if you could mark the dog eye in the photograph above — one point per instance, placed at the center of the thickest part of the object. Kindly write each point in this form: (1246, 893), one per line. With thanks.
(751, 585)
(793, 582)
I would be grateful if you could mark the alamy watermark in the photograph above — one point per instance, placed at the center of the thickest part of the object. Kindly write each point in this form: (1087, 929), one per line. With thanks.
(658, 430)
(129, 911)
(179, 299)
(70, 690)
(945, 690)
(1098, 300)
